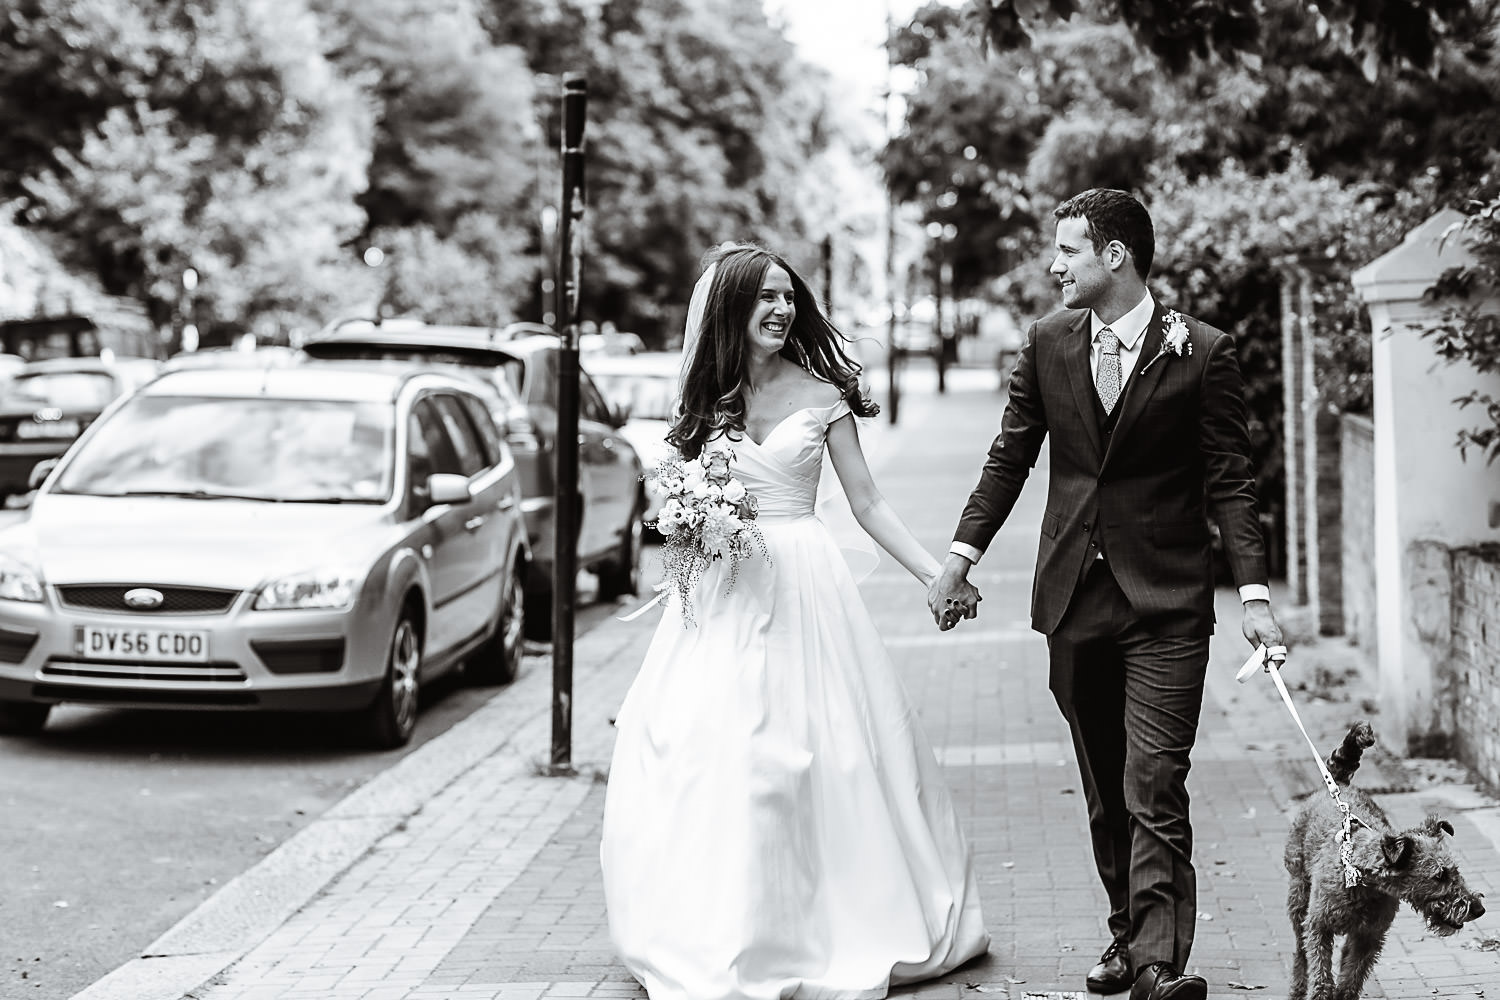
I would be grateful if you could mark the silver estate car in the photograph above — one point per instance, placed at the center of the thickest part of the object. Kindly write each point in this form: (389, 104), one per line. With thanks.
(325, 538)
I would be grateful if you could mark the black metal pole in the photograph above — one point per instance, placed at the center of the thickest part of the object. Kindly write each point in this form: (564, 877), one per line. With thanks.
(565, 511)
(941, 348)
(827, 254)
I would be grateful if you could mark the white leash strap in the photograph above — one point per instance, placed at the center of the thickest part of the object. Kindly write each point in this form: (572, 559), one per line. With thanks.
(1270, 658)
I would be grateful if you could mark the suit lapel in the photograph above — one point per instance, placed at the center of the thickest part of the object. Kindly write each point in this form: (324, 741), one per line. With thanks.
(1141, 387)
(1080, 370)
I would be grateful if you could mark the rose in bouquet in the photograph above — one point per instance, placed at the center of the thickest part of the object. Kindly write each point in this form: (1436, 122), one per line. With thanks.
(707, 514)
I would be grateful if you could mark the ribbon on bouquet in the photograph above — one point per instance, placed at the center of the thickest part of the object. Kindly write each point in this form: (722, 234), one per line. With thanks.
(1271, 660)
(661, 595)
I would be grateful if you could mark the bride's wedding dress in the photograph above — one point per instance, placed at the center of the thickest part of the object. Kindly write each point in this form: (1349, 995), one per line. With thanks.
(776, 824)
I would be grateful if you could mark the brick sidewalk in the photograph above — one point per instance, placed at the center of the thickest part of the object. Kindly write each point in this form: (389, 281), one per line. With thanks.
(492, 889)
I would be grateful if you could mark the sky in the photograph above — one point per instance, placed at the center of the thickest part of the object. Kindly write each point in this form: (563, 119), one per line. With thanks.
(845, 36)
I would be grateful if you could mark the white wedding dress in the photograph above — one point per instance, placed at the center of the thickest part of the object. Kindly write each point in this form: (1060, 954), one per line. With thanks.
(776, 824)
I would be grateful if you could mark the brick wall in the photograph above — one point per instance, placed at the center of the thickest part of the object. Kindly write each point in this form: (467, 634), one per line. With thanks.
(1472, 681)
(1357, 489)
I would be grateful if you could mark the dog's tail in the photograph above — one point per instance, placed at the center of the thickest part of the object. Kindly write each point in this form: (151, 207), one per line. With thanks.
(1344, 761)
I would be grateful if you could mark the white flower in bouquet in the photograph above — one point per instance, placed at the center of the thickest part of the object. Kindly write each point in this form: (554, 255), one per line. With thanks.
(734, 491)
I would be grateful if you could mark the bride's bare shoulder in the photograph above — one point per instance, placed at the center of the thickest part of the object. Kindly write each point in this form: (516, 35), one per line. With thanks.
(813, 391)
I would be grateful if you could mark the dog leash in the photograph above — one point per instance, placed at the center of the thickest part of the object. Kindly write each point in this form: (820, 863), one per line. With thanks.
(1270, 659)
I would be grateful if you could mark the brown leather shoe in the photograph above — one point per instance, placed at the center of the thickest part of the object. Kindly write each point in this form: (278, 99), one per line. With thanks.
(1112, 974)
(1162, 981)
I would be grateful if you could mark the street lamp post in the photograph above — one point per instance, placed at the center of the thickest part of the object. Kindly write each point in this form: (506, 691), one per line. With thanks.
(565, 507)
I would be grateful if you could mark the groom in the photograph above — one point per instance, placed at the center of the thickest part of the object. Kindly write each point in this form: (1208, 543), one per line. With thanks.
(1146, 410)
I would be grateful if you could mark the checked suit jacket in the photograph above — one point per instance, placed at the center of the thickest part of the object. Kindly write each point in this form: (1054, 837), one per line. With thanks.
(1178, 453)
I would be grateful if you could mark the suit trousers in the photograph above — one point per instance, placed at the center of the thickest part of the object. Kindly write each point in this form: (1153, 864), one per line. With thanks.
(1131, 691)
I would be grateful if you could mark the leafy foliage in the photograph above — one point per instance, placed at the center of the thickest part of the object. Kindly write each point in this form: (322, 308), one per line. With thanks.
(700, 123)
(1376, 33)
(1469, 328)
(210, 136)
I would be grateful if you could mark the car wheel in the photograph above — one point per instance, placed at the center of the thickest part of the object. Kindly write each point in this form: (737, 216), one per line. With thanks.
(22, 718)
(622, 575)
(498, 660)
(392, 717)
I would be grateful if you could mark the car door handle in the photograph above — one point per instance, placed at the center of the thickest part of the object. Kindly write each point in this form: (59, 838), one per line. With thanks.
(474, 522)
(506, 504)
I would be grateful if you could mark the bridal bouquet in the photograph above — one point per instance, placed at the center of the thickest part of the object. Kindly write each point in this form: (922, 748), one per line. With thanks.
(707, 515)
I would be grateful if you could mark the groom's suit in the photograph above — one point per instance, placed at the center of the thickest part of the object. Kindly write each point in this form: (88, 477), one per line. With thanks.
(1128, 631)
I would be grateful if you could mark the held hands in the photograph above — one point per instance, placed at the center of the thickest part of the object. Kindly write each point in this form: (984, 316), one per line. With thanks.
(950, 595)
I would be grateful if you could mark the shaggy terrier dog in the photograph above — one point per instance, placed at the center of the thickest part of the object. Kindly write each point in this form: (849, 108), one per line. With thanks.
(1412, 865)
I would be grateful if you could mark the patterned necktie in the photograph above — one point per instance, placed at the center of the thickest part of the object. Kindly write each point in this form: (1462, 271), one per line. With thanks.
(1107, 377)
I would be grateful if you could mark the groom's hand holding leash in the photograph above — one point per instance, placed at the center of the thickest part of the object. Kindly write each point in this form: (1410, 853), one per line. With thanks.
(1260, 626)
(950, 595)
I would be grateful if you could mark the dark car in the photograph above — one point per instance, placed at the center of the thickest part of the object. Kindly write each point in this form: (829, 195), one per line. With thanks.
(522, 362)
(46, 404)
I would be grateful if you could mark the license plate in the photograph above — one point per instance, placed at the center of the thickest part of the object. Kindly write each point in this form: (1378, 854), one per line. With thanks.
(48, 429)
(140, 644)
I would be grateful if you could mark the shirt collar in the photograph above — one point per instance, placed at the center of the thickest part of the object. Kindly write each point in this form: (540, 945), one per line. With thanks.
(1130, 327)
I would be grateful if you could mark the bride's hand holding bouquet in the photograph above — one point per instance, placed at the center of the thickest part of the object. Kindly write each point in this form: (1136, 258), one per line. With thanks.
(707, 515)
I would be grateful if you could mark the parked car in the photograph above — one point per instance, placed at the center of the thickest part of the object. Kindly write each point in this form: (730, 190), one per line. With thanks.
(270, 356)
(324, 538)
(47, 404)
(523, 364)
(643, 389)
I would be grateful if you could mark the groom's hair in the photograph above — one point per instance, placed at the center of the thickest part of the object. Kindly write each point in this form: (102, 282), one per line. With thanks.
(1114, 215)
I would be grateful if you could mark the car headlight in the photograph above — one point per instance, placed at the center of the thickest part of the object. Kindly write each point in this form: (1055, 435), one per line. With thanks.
(326, 590)
(18, 581)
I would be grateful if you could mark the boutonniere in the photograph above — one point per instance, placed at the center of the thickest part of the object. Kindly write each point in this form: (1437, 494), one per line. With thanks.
(1174, 339)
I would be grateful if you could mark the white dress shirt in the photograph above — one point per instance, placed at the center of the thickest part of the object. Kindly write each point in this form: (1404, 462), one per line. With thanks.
(1131, 329)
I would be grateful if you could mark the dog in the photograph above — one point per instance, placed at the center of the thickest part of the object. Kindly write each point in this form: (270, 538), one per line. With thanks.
(1412, 865)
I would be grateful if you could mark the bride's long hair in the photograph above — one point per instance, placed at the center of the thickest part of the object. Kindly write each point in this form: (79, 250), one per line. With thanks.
(715, 377)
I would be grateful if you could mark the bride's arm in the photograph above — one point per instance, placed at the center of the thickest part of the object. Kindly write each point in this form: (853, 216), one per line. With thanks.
(874, 514)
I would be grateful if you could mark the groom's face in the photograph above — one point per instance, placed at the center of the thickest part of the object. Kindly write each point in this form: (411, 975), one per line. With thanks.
(1083, 274)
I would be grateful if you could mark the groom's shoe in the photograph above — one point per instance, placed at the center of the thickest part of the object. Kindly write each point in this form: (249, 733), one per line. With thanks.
(1162, 981)
(1112, 974)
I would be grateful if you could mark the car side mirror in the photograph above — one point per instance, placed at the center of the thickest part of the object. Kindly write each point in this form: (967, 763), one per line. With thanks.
(40, 471)
(448, 488)
(620, 414)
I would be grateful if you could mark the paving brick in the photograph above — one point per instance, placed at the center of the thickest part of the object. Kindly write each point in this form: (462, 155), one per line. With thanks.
(492, 890)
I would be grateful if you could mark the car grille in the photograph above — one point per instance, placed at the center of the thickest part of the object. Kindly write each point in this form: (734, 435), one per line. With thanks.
(214, 673)
(175, 600)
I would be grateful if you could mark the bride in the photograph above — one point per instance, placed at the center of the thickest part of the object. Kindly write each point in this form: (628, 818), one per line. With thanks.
(776, 825)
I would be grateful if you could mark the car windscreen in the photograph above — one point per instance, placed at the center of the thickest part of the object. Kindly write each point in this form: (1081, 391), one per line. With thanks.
(261, 448)
(70, 391)
(644, 396)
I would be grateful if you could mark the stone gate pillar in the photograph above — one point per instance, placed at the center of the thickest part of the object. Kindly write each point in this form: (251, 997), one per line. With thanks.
(1428, 500)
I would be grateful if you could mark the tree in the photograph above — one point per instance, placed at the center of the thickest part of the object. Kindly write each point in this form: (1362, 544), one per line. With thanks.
(214, 136)
(701, 121)
(1466, 331)
(1378, 33)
